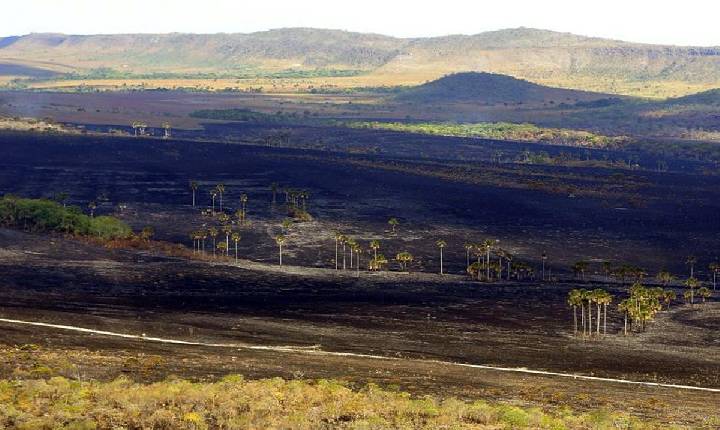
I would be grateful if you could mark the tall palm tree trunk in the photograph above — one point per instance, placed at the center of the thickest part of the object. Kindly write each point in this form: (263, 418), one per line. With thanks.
(605, 319)
(575, 320)
(441, 261)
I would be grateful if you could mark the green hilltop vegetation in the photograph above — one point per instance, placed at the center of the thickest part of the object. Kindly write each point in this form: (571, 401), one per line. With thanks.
(500, 131)
(540, 56)
(234, 402)
(40, 215)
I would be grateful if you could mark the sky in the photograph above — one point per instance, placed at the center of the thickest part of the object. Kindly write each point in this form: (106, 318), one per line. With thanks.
(690, 22)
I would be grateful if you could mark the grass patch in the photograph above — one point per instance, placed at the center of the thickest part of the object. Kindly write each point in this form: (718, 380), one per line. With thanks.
(234, 402)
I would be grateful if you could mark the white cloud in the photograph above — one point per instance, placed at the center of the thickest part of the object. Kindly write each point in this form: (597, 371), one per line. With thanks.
(691, 22)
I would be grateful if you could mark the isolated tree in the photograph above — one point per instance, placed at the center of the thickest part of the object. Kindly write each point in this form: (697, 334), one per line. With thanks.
(691, 284)
(404, 258)
(393, 222)
(375, 245)
(221, 191)
(213, 232)
(543, 257)
(236, 239)
(714, 269)
(193, 188)
(222, 247)
(691, 261)
(280, 240)
(705, 293)
(441, 244)
(665, 277)
(243, 204)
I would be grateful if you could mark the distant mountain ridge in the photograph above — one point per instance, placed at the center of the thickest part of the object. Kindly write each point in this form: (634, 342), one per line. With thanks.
(541, 56)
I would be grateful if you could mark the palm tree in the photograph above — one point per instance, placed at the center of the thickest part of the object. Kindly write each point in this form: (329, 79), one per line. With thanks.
(375, 245)
(404, 258)
(243, 203)
(393, 223)
(227, 229)
(236, 239)
(580, 267)
(222, 247)
(213, 232)
(690, 261)
(665, 277)
(441, 244)
(624, 307)
(543, 257)
(213, 195)
(193, 188)
(352, 245)
(575, 299)
(583, 295)
(714, 269)
(358, 251)
(92, 206)
(668, 297)
(692, 283)
(607, 268)
(487, 246)
(705, 293)
(468, 247)
(221, 190)
(343, 242)
(338, 238)
(604, 298)
(286, 224)
(280, 240)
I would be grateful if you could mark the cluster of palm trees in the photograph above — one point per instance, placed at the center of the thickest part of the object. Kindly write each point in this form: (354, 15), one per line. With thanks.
(494, 262)
(227, 224)
(642, 304)
(581, 298)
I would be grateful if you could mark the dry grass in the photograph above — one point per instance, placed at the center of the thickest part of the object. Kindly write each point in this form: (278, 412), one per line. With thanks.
(236, 403)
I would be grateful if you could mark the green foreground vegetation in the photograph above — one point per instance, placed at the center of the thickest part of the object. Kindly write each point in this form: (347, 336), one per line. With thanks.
(500, 131)
(40, 215)
(234, 402)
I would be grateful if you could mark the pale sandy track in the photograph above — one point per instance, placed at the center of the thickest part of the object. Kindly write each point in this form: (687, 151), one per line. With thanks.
(315, 350)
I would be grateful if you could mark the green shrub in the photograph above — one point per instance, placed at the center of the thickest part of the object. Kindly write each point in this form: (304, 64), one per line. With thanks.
(46, 216)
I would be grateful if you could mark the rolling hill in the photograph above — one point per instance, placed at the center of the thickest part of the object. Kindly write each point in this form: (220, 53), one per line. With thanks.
(544, 57)
(490, 88)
